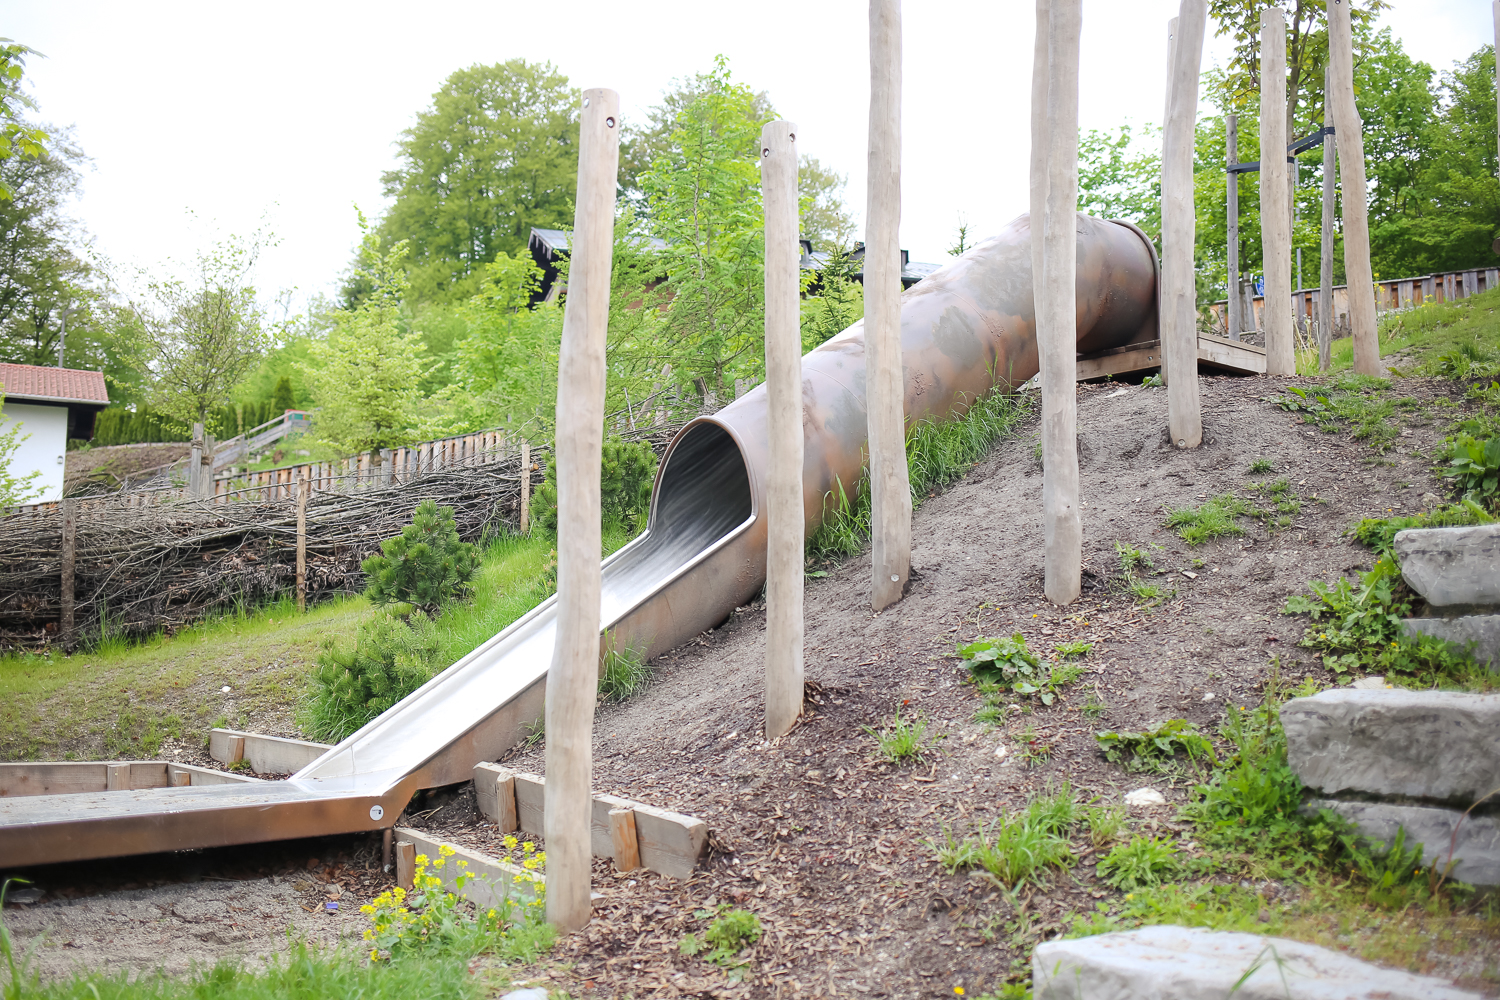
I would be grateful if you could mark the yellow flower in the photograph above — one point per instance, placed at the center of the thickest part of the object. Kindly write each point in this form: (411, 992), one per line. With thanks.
(510, 842)
(1130, 895)
(959, 990)
(374, 954)
(445, 851)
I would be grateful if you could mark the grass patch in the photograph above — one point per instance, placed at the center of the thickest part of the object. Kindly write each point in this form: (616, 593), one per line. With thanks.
(1020, 847)
(1152, 749)
(1427, 333)
(1379, 533)
(937, 453)
(902, 741)
(1144, 861)
(1363, 405)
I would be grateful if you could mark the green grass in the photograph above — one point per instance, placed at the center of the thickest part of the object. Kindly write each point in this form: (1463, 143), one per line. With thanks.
(1020, 847)
(1216, 518)
(936, 455)
(1429, 332)
(901, 741)
(1144, 861)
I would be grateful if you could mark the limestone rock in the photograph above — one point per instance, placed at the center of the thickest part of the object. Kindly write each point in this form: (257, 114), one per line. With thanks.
(1145, 797)
(1179, 963)
(1452, 565)
(1476, 848)
(1481, 630)
(1424, 744)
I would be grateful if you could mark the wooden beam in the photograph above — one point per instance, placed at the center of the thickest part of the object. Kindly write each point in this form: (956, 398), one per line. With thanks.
(303, 487)
(1275, 204)
(1325, 243)
(1351, 143)
(406, 862)
(491, 879)
(266, 754)
(885, 385)
(495, 793)
(573, 680)
(785, 518)
(1179, 314)
(627, 852)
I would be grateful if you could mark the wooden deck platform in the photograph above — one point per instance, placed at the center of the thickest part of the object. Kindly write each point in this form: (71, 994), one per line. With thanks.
(1214, 353)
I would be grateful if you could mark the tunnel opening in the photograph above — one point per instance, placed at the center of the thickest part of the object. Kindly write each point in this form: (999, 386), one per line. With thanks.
(703, 490)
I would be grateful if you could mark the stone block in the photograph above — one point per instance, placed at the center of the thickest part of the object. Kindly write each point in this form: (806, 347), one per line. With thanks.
(1452, 565)
(1476, 847)
(1481, 630)
(1180, 963)
(1442, 745)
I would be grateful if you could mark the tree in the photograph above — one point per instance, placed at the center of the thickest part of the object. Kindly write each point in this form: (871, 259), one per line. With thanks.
(365, 376)
(1306, 53)
(1119, 175)
(495, 154)
(426, 565)
(200, 335)
(15, 488)
(18, 139)
(826, 219)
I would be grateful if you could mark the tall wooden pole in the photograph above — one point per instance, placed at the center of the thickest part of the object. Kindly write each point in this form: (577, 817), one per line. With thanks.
(1233, 320)
(1179, 299)
(1495, 14)
(890, 481)
(573, 681)
(303, 487)
(1351, 141)
(69, 510)
(1056, 295)
(1166, 118)
(1275, 201)
(525, 515)
(1038, 218)
(785, 518)
(1325, 249)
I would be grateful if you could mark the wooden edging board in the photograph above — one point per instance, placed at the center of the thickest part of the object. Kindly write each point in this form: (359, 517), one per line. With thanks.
(667, 842)
(492, 878)
(1232, 355)
(266, 754)
(64, 777)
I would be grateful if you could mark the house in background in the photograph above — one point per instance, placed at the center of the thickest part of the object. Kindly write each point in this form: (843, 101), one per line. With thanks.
(51, 405)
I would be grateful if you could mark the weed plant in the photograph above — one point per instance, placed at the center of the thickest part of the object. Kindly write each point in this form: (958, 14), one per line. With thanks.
(1361, 404)
(625, 671)
(1020, 847)
(902, 741)
(1262, 465)
(1007, 666)
(1153, 748)
(1144, 861)
(1105, 824)
(1071, 649)
(730, 933)
(1379, 533)
(1216, 518)
(937, 453)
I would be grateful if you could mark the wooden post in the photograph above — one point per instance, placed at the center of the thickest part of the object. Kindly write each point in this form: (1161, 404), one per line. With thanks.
(572, 683)
(1325, 248)
(303, 487)
(1233, 320)
(785, 517)
(885, 383)
(622, 836)
(1351, 143)
(525, 486)
(69, 511)
(1275, 213)
(195, 460)
(1038, 210)
(1055, 294)
(1495, 14)
(1179, 312)
(406, 864)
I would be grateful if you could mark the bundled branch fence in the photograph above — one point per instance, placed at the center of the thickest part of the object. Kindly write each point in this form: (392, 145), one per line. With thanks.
(144, 560)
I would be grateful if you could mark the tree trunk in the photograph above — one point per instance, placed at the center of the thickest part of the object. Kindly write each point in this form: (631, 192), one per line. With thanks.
(1351, 143)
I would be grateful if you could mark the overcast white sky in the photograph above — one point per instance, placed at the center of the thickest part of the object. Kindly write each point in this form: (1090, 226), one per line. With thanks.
(290, 110)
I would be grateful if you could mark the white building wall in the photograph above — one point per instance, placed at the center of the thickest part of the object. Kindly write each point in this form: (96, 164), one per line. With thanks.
(46, 449)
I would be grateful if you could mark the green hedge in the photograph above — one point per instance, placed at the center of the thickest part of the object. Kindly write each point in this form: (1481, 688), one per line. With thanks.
(117, 425)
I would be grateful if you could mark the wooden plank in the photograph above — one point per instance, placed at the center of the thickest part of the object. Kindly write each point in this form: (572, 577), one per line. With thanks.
(627, 852)
(601, 842)
(1236, 356)
(531, 795)
(1116, 363)
(670, 843)
(495, 793)
(51, 777)
(69, 547)
(267, 754)
(492, 879)
(204, 776)
(406, 863)
(117, 777)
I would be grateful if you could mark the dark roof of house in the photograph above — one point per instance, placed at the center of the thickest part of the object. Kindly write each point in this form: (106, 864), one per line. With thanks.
(53, 385)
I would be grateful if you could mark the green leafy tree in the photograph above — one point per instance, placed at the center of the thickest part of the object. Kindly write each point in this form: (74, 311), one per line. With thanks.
(18, 139)
(198, 336)
(495, 154)
(627, 473)
(703, 193)
(425, 566)
(1119, 175)
(826, 219)
(283, 399)
(15, 488)
(365, 376)
(506, 365)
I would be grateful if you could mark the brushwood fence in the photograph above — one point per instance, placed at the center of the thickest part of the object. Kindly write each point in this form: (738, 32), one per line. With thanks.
(140, 561)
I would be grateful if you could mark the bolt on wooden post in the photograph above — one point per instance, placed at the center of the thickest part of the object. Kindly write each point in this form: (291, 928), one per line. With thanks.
(573, 680)
(1178, 301)
(786, 520)
(890, 480)
(1275, 203)
(1351, 148)
(1055, 293)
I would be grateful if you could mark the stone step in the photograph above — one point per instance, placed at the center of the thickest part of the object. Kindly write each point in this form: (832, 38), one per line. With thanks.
(1473, 842)
(1452, 565)
(1483, 631)
(1180, 963)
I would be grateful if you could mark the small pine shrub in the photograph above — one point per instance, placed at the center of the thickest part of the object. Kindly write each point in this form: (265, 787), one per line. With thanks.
(425, 566)
(351, 686)
(627, 471)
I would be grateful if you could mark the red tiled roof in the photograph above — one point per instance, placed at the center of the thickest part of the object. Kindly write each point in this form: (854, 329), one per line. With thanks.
(60, 384)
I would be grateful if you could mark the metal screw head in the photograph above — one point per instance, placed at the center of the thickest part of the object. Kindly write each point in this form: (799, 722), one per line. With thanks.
(376, 812)
(609, 123)
(585, 102)
(1182, 444)
(895, 578)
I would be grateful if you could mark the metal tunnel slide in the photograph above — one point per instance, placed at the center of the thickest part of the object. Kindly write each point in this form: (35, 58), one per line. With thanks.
(966, 328)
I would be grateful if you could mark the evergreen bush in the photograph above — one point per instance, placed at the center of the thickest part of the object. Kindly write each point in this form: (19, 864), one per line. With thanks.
(425, 566)
(388, 661)
(627, 472)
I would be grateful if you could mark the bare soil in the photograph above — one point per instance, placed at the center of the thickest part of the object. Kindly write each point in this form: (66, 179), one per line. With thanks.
(112, 464)
(831, 847)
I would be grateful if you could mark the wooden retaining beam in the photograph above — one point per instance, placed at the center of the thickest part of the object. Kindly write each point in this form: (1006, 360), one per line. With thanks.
(666, 842)
(266, 754)
(1229, 355)
(493, 878)
(64, 777)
